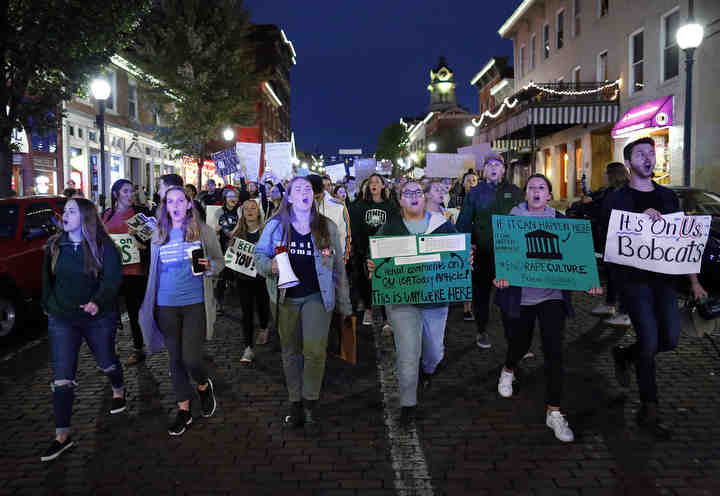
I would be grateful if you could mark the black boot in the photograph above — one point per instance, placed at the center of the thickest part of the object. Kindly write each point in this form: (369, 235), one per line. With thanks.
(648, 420)
(296, 417)
(312, 428)
(622, 359)
(425, 380)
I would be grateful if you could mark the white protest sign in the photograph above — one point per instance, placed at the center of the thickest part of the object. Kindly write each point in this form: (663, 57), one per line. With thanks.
(336, 172)
(363, 168)
(278, 158)
(129, 252)
(479, 151)
(212, 216)
(671, 245)
(240, 257)
(249, 155)
(448, 164)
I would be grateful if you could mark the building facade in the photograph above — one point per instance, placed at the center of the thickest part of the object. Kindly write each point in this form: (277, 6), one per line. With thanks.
(600, 62)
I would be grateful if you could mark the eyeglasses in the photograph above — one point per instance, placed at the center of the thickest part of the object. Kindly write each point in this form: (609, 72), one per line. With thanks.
(412, 194)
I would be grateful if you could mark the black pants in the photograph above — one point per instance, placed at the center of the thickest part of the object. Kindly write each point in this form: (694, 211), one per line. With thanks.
(226, 278)
(253, 292)
(184, 331)
(482, 277)
(133, 290)
(551, 315)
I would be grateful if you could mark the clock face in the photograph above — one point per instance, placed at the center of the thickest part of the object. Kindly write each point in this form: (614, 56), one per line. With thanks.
(443, 75)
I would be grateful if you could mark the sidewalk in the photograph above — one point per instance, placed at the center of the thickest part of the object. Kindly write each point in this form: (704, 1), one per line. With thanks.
(469, 440)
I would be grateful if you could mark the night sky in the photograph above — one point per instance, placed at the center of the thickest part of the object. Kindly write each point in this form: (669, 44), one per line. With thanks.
(364, 64)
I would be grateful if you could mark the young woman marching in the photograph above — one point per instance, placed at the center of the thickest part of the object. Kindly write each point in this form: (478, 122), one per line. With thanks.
(303, 312)
(178, 311)
(521, 307)
(252, 290)
(82, 275)
(134, 274)
(417, 329)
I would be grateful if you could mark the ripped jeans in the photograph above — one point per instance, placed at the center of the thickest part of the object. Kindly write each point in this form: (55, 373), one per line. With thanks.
(66, 333)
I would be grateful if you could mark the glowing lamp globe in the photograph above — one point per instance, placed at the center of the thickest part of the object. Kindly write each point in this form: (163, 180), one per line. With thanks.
(100, 89)
(690, 36)
(228, 134)
(470, 131)
(432, 147)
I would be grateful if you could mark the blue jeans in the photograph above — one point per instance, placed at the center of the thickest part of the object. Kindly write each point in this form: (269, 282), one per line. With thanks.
(655, 316)
(417, 331)
(66, 333)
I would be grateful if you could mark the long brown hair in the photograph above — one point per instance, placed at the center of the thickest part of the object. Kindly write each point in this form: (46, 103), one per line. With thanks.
(384, 193)
(242, 229)
(94, 237)
(191, 224)
(318, 222)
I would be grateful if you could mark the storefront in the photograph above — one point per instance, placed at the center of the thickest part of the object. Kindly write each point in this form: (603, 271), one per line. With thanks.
(653, 119)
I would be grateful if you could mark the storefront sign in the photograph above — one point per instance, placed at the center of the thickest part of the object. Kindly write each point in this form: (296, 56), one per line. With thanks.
(540, 252)
(129, 252)
(240, 257)
(672, 245)
(421, 269)
(656, 113)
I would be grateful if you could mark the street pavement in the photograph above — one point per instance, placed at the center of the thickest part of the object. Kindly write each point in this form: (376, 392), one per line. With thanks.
(468, 440)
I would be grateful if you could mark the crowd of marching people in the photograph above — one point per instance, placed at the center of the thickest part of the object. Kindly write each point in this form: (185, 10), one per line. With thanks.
(178, 283)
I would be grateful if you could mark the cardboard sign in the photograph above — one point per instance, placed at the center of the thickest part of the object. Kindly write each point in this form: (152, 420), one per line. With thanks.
(278, 158)
(421, 269)
(129, 252)
(671, 245)
(478, 150)
(240, 257)
(542, 252)
(145, 225)
(249, 156)
(448, 164)
(336, 172)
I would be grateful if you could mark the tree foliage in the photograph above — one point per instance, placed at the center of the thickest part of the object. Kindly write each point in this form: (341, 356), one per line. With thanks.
(200, 65)
(48, 52)
(392, 143)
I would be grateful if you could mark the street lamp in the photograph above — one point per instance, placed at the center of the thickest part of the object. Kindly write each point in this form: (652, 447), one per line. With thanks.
(100, 89)
(432, 147)
(228, 134)
(689, 37)
(470, 131)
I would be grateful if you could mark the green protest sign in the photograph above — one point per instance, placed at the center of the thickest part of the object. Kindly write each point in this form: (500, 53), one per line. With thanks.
(421, 269)
(542, 252)
(129, 253)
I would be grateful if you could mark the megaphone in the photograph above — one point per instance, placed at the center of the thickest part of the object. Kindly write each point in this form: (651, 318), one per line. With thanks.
(286, 275)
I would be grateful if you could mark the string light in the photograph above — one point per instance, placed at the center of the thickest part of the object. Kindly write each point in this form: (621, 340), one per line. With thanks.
(508, 104)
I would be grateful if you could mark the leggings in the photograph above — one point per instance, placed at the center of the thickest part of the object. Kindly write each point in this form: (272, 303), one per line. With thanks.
(253, 292)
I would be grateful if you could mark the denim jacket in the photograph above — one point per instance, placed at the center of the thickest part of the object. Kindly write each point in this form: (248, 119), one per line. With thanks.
(330, 268)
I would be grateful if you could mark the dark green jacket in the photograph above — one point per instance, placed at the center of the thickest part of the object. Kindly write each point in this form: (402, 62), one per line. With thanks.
(69, 287)
(480, 204)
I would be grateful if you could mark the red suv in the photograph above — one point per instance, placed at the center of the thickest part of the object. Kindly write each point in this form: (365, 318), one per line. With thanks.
(26, 222)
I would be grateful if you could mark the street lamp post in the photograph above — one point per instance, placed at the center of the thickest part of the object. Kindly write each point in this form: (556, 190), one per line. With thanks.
(689, 37)
(100, 89)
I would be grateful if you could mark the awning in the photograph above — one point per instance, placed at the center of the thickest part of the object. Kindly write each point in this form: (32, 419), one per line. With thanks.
(655, 113)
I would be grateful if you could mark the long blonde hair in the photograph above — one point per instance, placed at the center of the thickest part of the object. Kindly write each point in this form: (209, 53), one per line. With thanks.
(94, 237)
(191, 223)
(242, 229)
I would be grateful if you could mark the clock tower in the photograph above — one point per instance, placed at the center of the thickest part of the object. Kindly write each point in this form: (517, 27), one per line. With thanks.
(441, 88)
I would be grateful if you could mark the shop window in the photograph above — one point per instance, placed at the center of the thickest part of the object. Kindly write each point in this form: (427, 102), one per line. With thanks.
(670, 61)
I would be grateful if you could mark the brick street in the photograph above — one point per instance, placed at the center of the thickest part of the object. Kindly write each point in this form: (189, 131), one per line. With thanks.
(471, 440)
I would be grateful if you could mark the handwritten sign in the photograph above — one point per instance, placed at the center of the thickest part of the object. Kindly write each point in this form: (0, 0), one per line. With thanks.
(240, 257)
(541, 252)
(421, 269)
(226, 161)
(671, 245)
(129, 252)
(144, 225)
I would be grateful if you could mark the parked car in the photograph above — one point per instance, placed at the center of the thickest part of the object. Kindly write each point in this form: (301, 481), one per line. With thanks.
(26, 222)
(693, 201)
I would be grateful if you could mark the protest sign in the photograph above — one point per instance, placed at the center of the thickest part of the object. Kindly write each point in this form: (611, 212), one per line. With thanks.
(448, 164)
(144, 225)
(336, 172)
(363, 168)
(226, 162)
(278, 159)
(478, 150)
(129, 252)
(671, 245)
(212, 216)
(240, 257)
(421, 269)
(249, 157)
(543, 252)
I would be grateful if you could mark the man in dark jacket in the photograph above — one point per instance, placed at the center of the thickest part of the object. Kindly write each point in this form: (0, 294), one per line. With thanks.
(650, 297)
(492, 196)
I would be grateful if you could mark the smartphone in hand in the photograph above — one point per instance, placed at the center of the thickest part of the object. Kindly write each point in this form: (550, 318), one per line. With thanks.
(197, 268)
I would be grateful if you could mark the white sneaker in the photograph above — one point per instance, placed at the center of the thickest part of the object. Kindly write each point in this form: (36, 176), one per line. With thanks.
(603, 309)
(618, 320)
(248, 355)
(367, 318)
(556, 421)
(387, 329)
(505, 384)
